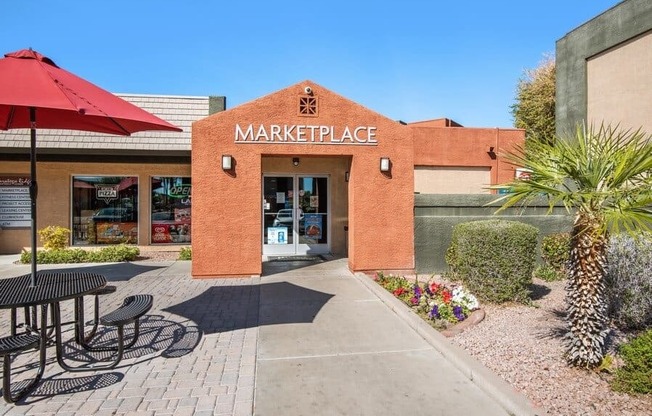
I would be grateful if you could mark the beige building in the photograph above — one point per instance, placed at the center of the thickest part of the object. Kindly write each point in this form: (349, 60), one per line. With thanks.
(105, 188)
(604, 70)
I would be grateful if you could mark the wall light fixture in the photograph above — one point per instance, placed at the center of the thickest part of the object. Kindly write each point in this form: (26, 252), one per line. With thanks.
(385, 164)
(227, 162)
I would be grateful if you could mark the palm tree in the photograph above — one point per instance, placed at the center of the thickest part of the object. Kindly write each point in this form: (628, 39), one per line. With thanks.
(604, 177)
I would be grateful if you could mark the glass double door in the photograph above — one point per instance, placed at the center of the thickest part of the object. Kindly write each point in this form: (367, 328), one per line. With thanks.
(295, 215)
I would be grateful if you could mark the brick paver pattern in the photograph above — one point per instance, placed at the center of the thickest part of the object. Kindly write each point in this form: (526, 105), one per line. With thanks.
(196, 354)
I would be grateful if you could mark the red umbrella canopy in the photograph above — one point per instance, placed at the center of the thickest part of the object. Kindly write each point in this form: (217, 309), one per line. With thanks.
(36, 94)
(63, 100)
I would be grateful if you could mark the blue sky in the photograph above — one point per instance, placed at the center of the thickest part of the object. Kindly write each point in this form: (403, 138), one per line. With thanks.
(409, 60)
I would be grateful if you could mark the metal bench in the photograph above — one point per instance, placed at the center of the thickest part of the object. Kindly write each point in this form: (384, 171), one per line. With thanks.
(10, 345)
(131, 310)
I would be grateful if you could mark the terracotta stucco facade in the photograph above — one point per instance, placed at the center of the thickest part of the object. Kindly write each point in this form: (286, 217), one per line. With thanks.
(467, 147)
(370, 218)
(227, 205)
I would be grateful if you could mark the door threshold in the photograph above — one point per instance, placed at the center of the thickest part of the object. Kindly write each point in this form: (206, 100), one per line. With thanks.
(313, 258)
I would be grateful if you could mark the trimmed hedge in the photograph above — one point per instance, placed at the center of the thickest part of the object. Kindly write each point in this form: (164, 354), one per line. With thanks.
(629, 281)
(115, 253)
(555, 252)
(494, 258)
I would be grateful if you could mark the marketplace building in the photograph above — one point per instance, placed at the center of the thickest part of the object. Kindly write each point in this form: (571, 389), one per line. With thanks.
(302, 171)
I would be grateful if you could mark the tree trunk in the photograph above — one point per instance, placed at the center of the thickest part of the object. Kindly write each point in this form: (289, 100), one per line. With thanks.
(585, 291)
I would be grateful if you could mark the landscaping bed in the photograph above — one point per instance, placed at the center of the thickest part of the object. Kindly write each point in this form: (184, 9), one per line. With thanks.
(524, 345)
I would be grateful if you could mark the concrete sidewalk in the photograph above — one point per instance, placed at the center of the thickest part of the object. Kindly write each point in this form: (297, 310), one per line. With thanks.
(307, 338)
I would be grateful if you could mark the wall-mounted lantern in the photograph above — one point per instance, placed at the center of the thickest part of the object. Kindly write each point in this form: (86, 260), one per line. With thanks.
(385, 164)
(227, 162)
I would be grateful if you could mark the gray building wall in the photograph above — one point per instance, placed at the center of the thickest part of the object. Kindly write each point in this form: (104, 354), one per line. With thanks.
(619, 24)
(436, 215)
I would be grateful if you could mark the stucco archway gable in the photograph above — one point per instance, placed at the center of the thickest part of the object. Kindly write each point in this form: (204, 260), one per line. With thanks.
(331, 135)
(275, 106)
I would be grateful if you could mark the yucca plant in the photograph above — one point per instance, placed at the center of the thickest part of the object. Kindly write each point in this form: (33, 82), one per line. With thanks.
(604, 177)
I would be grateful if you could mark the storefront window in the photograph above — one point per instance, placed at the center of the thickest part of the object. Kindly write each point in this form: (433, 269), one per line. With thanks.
(104, 210)
(171, 201)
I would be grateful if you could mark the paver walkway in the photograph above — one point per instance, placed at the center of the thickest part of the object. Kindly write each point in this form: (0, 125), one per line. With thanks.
(307, 338)
(196, 354)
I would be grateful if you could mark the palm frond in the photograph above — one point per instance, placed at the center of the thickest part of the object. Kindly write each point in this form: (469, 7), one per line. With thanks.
(605, 170)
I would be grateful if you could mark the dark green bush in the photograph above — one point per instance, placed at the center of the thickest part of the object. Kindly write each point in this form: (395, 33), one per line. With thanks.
(629, 281)
(636, 375)
(185, 253)
(494, 258)
(555, 251)
(79, 255)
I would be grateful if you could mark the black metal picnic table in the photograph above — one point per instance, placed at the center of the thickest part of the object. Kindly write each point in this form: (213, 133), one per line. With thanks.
(51, 289)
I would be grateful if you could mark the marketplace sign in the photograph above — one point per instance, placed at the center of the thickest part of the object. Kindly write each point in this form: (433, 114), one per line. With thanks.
(306, 134)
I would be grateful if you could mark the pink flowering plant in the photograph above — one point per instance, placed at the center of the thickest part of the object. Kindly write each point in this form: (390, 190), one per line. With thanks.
(439, 304)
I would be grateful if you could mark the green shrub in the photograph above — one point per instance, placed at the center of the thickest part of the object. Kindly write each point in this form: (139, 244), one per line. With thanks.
(54, 237)
(25, 257)
(494, 258)
(185, 253)
(555, 251)
(60, 256)
(547, 273)
(636, 375)
(79, 255)
(120, 252)
(629, 281)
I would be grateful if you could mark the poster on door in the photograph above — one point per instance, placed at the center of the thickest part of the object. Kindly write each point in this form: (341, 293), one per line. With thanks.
(313, 224)
(277, 235)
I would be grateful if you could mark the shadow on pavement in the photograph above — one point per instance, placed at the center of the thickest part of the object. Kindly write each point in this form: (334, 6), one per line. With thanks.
(281, 264)
(226, 308)
(158, 336)
(114, 272)
(52, 387)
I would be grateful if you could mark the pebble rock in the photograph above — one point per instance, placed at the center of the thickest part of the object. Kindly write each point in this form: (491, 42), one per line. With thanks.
(523, 345)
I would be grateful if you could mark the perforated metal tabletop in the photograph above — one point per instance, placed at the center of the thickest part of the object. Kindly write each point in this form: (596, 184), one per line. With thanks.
(51, 287)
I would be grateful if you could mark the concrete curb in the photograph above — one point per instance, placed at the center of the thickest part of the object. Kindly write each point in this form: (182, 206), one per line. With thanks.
(510, 399)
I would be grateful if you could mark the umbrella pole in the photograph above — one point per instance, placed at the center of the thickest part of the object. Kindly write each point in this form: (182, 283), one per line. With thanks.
(33, 188)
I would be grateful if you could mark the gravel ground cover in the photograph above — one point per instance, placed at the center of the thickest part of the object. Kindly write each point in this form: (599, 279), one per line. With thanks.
(524, 345)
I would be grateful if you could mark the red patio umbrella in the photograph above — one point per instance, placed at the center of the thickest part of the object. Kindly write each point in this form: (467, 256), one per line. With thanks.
(36, 94)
